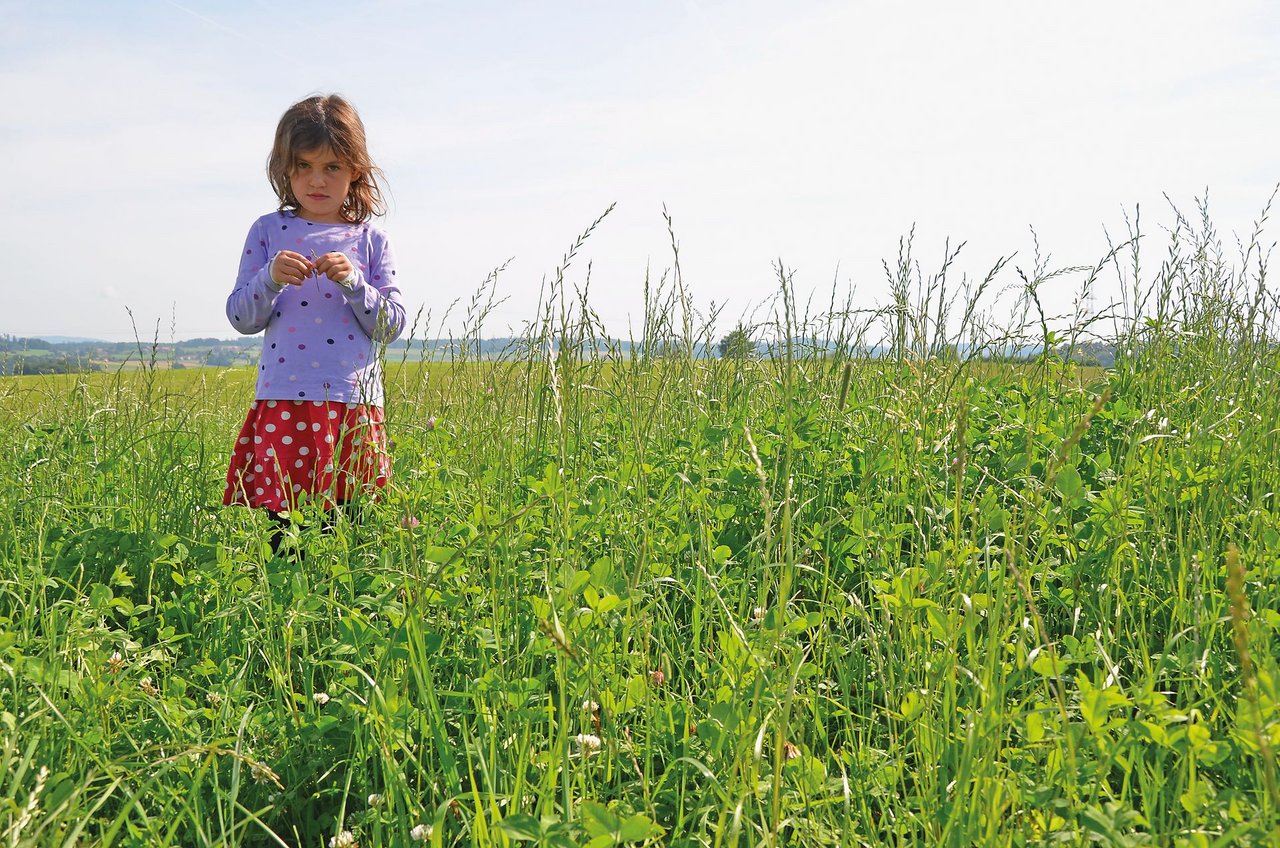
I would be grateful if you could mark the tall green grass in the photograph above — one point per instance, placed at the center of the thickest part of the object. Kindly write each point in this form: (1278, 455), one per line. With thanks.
(878, 587)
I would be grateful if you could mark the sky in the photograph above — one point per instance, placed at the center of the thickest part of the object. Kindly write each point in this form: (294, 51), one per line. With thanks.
(813, 134)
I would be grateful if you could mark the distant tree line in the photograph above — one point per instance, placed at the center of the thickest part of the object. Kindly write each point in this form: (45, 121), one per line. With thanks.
(21, 366)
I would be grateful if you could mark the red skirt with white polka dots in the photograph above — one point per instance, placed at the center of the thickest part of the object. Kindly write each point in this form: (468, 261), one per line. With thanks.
(292, 452)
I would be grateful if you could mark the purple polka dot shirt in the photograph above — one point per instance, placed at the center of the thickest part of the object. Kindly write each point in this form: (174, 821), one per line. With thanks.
(321, 340)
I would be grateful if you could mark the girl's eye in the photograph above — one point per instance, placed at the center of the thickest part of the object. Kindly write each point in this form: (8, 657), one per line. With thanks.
(333, 168)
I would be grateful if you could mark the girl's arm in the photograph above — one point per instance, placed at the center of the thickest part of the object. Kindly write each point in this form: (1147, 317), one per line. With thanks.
(373, 296)
(250, 303)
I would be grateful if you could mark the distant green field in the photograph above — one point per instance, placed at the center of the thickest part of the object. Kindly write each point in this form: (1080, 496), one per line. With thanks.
(806, 600)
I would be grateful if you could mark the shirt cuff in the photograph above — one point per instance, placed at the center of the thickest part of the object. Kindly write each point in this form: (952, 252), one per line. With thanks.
(272, 285)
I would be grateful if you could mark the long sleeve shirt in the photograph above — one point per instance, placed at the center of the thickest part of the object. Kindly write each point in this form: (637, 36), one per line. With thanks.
(321, 340)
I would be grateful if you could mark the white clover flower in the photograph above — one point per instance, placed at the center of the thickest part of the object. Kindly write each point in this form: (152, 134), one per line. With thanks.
(116, 663)
(431, 423)
(148, 687)
(590, 707)
(262, 773)
(587, 743)
(344, 840)
(213, 698)
(757, 616)
(375, 800)
(420, 832)
(321, 698)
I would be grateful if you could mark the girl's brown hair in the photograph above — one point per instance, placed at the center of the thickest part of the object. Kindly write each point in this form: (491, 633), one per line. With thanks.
(327, 121)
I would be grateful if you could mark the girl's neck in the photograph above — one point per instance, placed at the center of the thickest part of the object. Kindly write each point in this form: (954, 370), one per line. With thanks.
(298, 213)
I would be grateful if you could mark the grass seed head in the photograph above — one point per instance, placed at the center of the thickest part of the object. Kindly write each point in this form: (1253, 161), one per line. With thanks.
(554, 631)
(32, 808)
(1239, 608)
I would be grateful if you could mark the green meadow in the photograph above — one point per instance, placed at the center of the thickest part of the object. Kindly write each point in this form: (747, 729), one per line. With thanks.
(874, 586)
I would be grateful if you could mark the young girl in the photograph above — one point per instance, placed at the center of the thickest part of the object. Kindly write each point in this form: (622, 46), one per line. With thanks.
(322, 283)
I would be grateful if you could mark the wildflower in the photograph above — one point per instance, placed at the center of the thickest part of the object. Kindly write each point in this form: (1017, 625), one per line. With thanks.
(587, 743)
(431, 423)
(420, 832)
(147, 687)
(116, 663)
(262, 773)
(789, 751)
(757, 616)
(656, 677)
(409, 522)
(213, 698)
(321, 698)
(590, 707)
(344, 840)
(375, 800)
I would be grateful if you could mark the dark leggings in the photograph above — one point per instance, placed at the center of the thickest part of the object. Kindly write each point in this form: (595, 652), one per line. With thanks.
(328, 523)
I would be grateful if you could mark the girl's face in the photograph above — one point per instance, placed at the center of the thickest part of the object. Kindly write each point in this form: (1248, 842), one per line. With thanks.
(320, 182)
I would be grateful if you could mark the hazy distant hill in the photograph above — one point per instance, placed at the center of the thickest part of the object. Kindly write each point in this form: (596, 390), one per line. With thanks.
(63, 354)
(71, 340)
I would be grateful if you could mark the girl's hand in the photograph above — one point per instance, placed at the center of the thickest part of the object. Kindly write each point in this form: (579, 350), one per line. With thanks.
(290, 269)
(336, 266)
